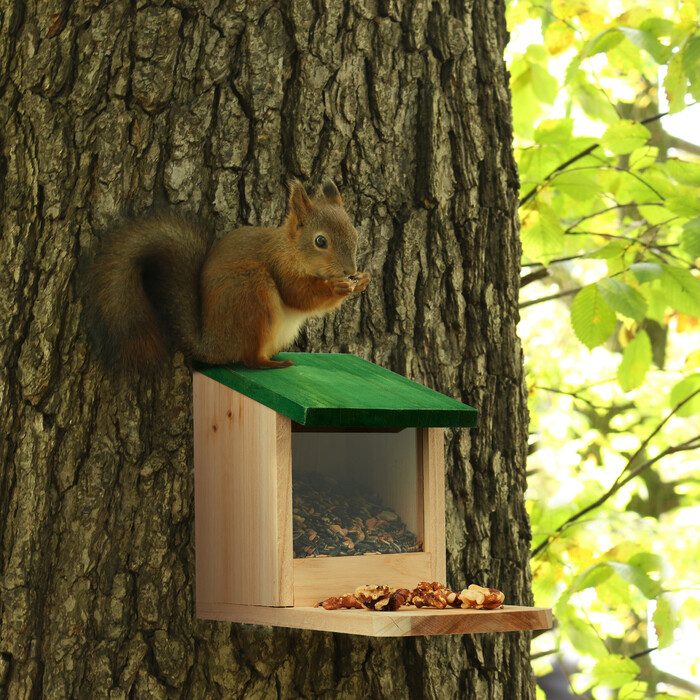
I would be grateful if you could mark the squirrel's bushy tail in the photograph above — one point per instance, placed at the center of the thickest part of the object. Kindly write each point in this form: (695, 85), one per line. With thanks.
(144, 289)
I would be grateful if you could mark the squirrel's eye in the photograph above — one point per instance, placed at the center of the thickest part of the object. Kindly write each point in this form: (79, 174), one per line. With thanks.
(321, 242)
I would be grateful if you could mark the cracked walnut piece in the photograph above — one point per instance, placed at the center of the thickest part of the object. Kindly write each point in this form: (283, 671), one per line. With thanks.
(425, 595)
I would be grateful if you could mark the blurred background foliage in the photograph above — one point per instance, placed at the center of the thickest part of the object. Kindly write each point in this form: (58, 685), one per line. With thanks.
(606, 138)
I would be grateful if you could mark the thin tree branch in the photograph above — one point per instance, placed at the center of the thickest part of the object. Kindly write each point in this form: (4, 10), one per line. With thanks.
(541, 654)
(628, 473)
(559, 168)
(574, 159)
(642, 653)
(558, 295)
(692, 444)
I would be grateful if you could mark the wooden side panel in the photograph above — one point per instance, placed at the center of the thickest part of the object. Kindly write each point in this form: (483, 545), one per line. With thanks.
(243, 505)
(431, 446)
(406, 622)
(318, 578)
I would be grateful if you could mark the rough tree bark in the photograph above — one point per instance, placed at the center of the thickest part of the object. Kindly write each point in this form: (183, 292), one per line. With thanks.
(209, 105)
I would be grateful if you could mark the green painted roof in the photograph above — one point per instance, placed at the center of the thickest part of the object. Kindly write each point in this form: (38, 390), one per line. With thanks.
(335, 390)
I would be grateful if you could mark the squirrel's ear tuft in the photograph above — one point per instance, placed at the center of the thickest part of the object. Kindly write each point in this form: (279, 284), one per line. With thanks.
(300, 205)
(330, 192)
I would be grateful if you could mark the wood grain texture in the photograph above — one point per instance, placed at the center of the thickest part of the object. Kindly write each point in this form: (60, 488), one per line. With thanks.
(316, 579)
(431, 446)
(408, 622)
(344, 390)
(243, 513)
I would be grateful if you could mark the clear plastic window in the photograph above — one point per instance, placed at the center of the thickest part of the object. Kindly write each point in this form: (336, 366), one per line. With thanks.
(355, 492)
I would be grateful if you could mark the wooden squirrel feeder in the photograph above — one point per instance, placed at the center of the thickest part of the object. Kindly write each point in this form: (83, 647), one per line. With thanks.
(264, 438)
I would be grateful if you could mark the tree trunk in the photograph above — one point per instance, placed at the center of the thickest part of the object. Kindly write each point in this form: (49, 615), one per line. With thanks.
(209, 105)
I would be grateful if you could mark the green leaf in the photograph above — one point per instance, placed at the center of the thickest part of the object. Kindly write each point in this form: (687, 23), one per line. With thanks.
(625, 137)
(647, 272)
(601, 43)
(636, 690)
(579, 186)
(583, 638)
(592, 100)
(592, 319)
(643, 157)
(542, 235)
(685, 172)
(690, 242)
(686, 204)
(554, 131)
(682, 289)
(614, 671)
(691, 56)
(636, 360)
(590, 578)
(634, 575)
(674, 83)
(544, 84)
(614, 249)
(681, 391)
(622, 298)
(648, 43)
(664, 621)
(647, 561)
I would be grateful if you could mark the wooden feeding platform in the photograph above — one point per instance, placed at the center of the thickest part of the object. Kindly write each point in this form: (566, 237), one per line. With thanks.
(318, 478)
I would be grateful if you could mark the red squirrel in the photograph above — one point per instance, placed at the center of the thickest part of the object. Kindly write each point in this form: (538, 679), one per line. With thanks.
(160, 282)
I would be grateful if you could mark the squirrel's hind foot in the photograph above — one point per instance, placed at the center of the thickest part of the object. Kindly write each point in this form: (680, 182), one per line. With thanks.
(266, 363)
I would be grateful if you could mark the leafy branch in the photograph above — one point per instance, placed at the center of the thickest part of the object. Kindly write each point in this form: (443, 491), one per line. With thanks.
(574, 159)
(628, 473)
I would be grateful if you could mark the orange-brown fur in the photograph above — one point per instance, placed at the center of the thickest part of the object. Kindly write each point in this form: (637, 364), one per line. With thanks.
(241, 298)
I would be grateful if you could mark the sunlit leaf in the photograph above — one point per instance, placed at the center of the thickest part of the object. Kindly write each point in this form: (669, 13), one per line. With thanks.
(681, 391)
(554, 131)
(635, 690)
(690, 242)
(685, 172)
(584, 638)
(579, 186)
(674, 83)
(643, 157)
(664, 621)
(625, 136)
(647, 271)
(569, 8)
(622, 298)
(686, 204)
(542, 235)
(636, 360)
(592, 100)
(691, 56)
(602, 42)
(682, 290)
(544, 84)
(647, 42)
(647, 561)
(558, 37)
(591, 577)
(592, 319)
(636, 577)
(615, 670)
(612, 250)
(692, 360)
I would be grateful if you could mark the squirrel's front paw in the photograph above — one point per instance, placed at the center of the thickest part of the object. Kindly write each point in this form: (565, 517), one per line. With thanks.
(361, 280)
(342, 286)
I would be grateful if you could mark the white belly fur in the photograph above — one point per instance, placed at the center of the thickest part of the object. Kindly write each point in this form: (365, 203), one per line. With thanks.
(288, 328)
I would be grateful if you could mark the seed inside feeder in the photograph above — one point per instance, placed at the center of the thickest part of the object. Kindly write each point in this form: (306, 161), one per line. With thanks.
(341, 519)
